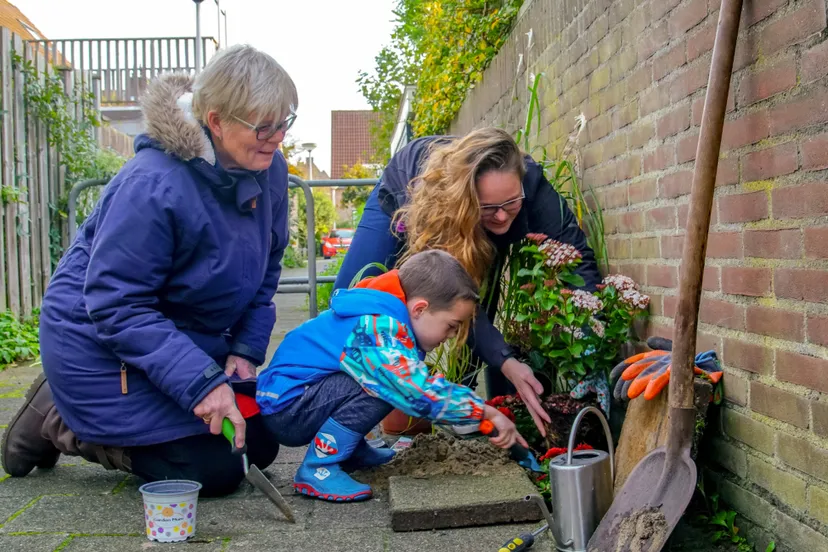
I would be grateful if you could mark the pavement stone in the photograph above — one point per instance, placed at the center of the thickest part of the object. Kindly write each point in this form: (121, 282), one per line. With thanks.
(89, 515)
(465, 540)
(329, 541)
(137, 544)
(63, 480)
(10, 506)
(226, 517)
(31, 543)
(372, 513)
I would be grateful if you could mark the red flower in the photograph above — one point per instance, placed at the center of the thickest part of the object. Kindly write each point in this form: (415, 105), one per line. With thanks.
(537, 238)
(496, 401)
(528, 288)
(557, 451)
(543, 477)
(506, 412)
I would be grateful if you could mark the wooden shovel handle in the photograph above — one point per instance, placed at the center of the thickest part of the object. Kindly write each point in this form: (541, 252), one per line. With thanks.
(701, 201)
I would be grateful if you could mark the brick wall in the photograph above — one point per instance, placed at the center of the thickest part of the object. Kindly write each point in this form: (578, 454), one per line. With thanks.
(637, 69)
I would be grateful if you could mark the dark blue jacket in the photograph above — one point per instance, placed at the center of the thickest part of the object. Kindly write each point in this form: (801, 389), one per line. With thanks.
(175, 268)
(544, 211)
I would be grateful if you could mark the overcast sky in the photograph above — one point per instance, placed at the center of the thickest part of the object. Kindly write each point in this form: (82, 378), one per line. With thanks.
(323, 44)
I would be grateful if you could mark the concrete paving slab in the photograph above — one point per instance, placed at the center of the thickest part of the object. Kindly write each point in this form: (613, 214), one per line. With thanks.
(485, 539)
(353, 515)
(460, 500)
(281, 475)
(329, 541)
(31, 543)
(137, 544)
(9, 506)
(224, 517)
(87, 515)
(290, 455)
(62, 480)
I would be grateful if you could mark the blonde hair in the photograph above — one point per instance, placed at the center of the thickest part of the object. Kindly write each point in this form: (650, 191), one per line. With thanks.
(444, 209)
(241, 81)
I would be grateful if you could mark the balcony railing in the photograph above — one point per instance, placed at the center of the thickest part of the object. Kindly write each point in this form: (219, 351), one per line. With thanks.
(125, 65)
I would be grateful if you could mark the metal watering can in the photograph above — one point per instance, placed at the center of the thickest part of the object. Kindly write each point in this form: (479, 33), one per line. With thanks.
(580, 484)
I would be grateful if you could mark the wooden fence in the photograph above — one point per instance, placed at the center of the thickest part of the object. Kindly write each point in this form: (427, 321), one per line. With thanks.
(32, 179)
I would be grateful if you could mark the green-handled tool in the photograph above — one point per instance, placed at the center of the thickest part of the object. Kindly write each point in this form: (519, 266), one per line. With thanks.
(254, 474)
(523, 542)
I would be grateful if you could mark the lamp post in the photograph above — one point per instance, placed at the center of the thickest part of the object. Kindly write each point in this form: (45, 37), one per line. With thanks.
(309, 147)
(226, 40)
(218, 20)
(198, 36)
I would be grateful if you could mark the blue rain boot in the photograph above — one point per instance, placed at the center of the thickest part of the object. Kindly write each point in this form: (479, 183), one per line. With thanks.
(320, 475)
(366, 456)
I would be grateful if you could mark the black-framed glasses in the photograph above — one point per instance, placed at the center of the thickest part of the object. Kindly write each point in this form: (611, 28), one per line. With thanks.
(266, 132)
(512, 206)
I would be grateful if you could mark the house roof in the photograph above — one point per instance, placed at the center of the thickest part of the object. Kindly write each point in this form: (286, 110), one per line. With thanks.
(14, 20)
(351, 139)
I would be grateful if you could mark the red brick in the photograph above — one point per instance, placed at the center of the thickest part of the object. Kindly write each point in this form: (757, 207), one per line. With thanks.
(808, 371)
(770, 162)
(618, 248)
(747, 51)
(661, 218)
(611, 223)
(612, 198)
(663, 157)
(769, 82)
(727, 172)
(669, 304)
(748, 356)
(675, 184)
(818, 329)
(702, 41)
(658, 9)
(802, 111)
(725, 245)
(710, 281)
(628, 168)
(640, 79)
(774, 244)
(654, 99)
(794, 27)
(745, 130)
(600, 126)
(629, 223)
(686, 17)
(686, 149)
(662, 276)
(756, 11)
(754, 282)
(802, 284)
(645, 248)
(626, 115)
(708, 342)
(805, 200)
(640, 134)
(669, 61)
(815, 63)
(743, 207)
(652, 40)
(655, 304)
(776, 323)
(638, 20)
(671, 246)
(643, 191)
(615, 146)
(815, 151)
(820, 410)
(601, 176)
(619, 11)
(722, 314)
(816, 243)
(692, 79)
(779, 404)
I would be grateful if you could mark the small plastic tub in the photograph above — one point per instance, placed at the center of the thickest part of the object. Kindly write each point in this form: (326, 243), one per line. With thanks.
(170, 509)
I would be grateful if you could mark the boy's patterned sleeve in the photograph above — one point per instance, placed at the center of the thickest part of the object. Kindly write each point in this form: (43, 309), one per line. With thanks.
(381, 356)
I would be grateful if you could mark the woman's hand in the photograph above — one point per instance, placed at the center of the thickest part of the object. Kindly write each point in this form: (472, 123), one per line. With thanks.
(507, 433)
(243, 367)
(220, 403)
(529, 388)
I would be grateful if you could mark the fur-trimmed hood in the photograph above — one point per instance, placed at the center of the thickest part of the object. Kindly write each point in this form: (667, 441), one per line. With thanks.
(169, 121)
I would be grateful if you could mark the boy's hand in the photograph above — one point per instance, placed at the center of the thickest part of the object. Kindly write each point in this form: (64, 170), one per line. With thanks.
(507, 433)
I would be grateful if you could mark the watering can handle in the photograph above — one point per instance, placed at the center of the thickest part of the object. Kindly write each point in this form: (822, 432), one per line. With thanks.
(574, 433)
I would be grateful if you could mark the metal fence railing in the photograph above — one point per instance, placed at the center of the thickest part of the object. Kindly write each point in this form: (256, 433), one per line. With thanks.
(287, 284)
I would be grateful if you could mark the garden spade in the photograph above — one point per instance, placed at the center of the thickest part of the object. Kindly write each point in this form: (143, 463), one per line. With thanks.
(658, 490)
(255, 475)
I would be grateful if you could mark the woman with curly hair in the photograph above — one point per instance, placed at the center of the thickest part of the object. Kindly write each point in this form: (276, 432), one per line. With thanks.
(472, 197)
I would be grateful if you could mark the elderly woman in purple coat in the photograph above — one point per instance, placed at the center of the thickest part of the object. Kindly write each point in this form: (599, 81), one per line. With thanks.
(165, 297)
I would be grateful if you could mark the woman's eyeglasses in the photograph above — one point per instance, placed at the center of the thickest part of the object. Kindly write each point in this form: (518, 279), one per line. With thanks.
(266, 132)
(512, 206)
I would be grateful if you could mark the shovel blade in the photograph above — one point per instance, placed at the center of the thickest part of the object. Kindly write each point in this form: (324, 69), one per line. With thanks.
(258, 480)
(649, 506)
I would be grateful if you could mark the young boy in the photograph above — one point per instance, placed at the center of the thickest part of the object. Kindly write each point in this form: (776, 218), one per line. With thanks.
(338, 375)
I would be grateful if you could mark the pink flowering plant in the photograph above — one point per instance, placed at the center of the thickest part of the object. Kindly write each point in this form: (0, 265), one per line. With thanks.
(565, 332)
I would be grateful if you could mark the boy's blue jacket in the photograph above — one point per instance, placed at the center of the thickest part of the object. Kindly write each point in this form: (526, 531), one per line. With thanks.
(366, 333)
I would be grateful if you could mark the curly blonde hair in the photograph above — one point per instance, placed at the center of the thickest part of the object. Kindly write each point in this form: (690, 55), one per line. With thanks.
(444, 209)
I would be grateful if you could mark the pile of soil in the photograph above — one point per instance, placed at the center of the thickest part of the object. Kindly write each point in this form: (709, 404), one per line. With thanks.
(440, 454)
(562, 410)
(644, 530)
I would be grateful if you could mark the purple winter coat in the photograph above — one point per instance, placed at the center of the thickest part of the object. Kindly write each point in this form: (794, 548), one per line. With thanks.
(175, 268)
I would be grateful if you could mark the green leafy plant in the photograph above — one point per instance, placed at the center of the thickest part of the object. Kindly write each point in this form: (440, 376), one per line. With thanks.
(292, 259)
(18, 338)
(324, 291)
(722, 521)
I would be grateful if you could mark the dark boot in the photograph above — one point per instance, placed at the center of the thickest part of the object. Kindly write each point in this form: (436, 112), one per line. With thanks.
(65, 440)
(24, 447)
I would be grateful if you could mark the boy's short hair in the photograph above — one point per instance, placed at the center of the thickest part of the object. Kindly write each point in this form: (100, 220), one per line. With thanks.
(438, 278)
